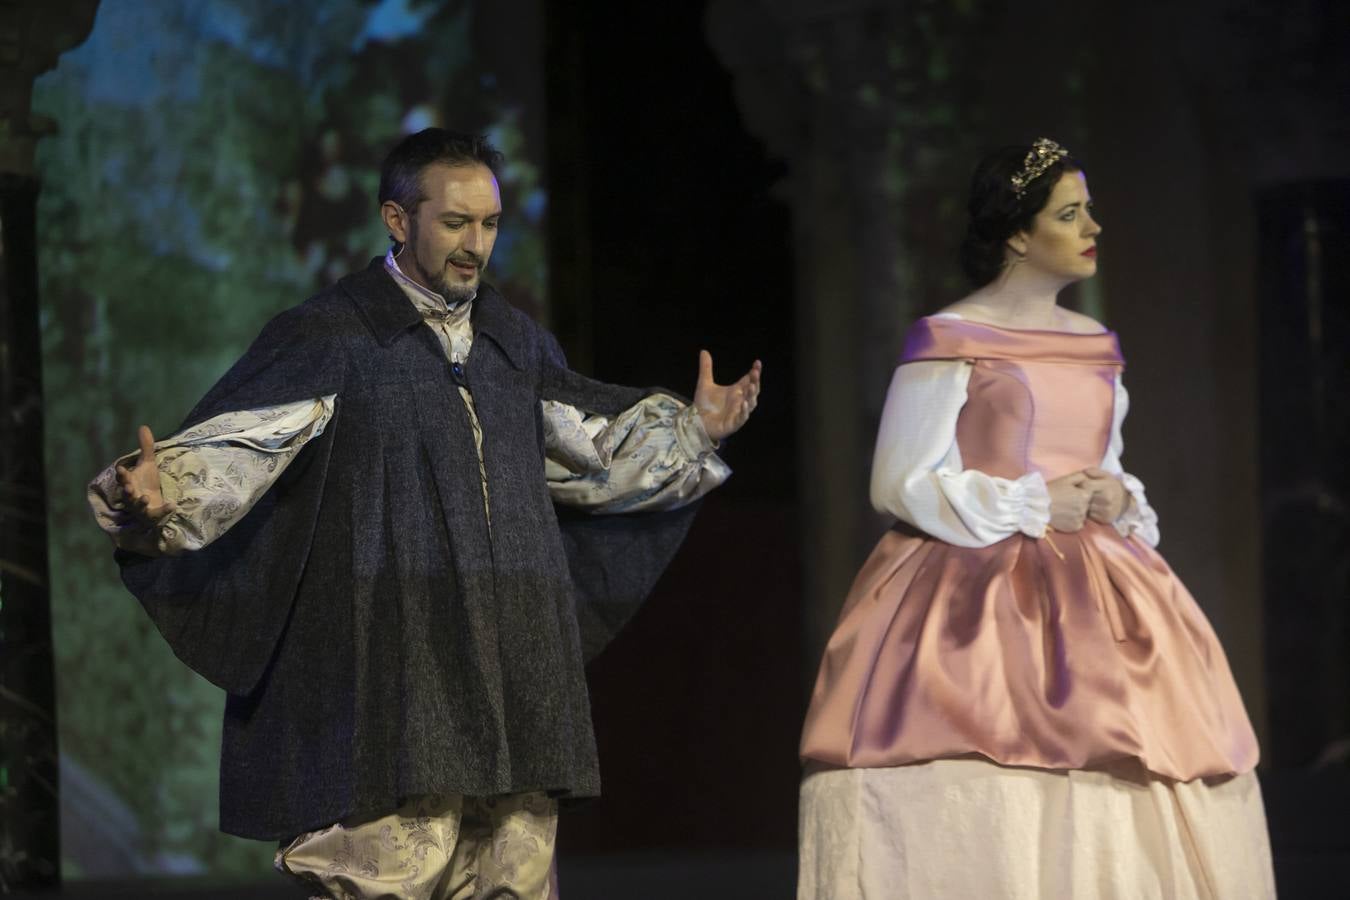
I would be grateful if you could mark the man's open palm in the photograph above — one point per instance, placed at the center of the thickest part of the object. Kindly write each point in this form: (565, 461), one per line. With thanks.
(725, 408)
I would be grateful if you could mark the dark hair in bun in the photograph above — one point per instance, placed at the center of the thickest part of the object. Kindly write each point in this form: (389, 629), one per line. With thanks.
(997, 213)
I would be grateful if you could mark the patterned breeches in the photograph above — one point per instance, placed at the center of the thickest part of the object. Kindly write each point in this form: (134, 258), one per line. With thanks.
(434, 848)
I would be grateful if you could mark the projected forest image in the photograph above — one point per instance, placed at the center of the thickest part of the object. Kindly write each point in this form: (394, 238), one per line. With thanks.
(215, 164)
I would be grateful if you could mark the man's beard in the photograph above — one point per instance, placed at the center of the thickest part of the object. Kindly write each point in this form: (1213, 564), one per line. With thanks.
(454, 294)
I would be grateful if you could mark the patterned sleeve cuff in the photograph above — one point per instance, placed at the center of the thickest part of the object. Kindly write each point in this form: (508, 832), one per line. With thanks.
(1035, 500)
(1139, 519)
(168, 531)
(108, 503)
(691, 435)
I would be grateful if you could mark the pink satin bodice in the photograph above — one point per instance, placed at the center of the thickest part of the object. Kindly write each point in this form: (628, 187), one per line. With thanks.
(1044, 403)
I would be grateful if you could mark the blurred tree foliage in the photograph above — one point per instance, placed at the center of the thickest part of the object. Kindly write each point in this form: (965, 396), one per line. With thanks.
(215, 164)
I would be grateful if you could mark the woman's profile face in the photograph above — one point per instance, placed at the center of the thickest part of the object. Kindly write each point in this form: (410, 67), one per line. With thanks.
(1063, 241)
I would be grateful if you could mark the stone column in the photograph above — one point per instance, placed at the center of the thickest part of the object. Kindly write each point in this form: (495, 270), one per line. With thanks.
(32, 35)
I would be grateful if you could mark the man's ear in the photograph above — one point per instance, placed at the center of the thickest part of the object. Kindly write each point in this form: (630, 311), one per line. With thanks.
(395, 220)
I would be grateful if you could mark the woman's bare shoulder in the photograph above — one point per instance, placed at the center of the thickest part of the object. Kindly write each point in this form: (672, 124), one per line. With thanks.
(967, 308)
(1081, 323)
(982, 310)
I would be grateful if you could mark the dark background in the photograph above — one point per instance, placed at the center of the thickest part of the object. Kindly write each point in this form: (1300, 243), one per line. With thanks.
(697, 707)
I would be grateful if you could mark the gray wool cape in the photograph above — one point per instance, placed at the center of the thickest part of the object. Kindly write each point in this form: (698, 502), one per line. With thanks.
(376, 639)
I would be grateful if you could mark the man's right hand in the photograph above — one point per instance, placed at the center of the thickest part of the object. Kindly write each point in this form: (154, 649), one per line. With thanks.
(140, 483)
(1069, 499)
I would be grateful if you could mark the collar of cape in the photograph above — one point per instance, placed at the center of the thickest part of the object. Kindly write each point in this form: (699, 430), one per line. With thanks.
(388, 312)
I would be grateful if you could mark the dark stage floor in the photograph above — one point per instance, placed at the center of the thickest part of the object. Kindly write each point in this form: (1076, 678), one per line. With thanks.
(647, 876)
(1308, 812)
(1307, 875)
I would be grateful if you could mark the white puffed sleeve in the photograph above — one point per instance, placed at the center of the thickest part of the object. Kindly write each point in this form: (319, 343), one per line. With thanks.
(917, 474)
(1139, 519)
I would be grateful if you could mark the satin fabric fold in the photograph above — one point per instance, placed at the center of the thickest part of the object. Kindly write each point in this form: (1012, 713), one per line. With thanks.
(938, 337)
(1011, 653)
(1065, 652)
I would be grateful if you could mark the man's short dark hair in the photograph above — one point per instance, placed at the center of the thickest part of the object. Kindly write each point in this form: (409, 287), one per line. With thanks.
(401, 174)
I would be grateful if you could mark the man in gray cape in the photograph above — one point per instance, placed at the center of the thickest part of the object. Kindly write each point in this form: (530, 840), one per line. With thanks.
(354, 535)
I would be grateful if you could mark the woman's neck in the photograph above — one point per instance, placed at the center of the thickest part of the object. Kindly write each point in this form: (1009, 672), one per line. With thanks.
(1020, 299)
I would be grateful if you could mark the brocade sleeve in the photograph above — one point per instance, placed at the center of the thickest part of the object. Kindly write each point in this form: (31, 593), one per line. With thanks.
(655, 455)
(213, 473)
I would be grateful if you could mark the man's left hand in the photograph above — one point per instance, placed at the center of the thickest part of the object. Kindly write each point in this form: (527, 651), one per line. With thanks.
(725, 408)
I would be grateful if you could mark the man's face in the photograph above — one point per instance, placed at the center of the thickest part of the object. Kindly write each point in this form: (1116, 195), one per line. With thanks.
(450, 236)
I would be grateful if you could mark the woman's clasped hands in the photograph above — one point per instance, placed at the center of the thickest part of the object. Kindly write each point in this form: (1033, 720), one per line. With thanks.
(1088, 494)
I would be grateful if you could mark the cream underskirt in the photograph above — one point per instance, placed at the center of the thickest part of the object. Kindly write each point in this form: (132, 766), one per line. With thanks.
(968, 828)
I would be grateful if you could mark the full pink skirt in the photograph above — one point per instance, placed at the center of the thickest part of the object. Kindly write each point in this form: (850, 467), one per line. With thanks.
(1015, 654)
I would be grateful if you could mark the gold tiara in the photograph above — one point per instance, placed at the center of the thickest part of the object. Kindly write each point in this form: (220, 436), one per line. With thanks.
(1044, 154)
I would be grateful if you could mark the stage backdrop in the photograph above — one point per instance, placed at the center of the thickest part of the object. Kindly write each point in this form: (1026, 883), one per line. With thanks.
(216, 163)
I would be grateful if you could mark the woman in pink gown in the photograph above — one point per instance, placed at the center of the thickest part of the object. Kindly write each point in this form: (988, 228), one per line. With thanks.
(1020, 699)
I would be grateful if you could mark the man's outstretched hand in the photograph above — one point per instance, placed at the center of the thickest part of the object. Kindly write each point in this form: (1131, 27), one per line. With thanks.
(140, 483)
(725, 408)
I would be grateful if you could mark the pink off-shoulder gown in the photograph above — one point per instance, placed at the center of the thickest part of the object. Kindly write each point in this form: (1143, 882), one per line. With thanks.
(1040, 717)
